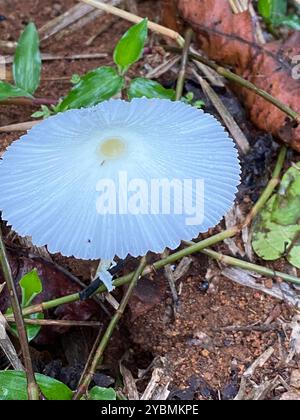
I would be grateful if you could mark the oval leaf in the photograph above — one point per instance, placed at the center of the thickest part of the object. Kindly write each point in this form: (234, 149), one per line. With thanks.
(94, 87)
(27, 60)
(141, 87)
(8, 91)
(31, 286)
(102, 394)
(271, 240)
(272, 10)
(13, 387)
(287, 204)
(130, 47)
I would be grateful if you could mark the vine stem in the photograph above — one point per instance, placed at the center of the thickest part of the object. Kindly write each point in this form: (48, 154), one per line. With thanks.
(192, 249)
(86, 380)
(235, 262)
(32, 387)
(184, 62)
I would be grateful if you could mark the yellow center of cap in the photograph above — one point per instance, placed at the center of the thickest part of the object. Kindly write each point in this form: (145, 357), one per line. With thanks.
(112, 148)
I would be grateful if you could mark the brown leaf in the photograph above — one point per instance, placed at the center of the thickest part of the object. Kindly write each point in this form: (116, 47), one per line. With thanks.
(230, 40)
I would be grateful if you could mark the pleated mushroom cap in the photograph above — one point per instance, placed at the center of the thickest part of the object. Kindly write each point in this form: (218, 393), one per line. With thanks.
(52, 178)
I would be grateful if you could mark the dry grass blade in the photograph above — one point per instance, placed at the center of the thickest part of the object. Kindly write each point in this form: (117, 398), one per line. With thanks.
(257, 391)
(18, 127)
(8, 347)
(294, 340)
(162, 68)
(130, 385)
(229, 121)
(157, 389)
(84, 21)
(66, 19)
(54, 57)
(239, 6)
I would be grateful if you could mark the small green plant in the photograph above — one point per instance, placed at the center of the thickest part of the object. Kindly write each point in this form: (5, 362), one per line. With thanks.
(276, 230)
(26, 66)
(31, 286)
(189, 99)
(275, 13)
(93, 87)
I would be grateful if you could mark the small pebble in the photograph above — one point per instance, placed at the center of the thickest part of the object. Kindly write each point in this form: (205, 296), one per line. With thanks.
(203, 286)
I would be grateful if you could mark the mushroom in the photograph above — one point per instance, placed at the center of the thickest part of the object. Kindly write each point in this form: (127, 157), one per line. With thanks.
(119, 178)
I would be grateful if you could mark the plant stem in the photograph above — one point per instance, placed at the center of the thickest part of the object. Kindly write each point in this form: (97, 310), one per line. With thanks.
(29, 101)
(83, 387)
(32, 387)
(184, 63)
(56, 322)
(268, 272)
(196, 247)
(241, 81)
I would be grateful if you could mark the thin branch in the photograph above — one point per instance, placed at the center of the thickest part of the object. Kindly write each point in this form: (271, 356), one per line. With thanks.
(57, 323)
(18, 127)
(83, 386)
(227, 118)
(7, 346)
(184, 61)
(249, 328)
(32, 387)
(29, 101)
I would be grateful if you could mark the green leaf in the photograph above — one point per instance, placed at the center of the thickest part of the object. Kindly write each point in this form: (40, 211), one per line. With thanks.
(141, 87)
(13, 387)
(102, 394)
(8, 91)
(292, 21)
(75, 79)
(94, 87)
(286, 209)
(271, 240)
(272, 10)
(27, 60)
(276, 230)
(31, 286)
(199, 104)
(33, 330)
(130, 47)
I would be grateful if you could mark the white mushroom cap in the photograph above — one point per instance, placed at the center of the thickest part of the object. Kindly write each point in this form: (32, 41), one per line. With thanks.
(57, 181)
